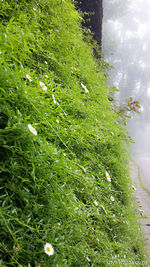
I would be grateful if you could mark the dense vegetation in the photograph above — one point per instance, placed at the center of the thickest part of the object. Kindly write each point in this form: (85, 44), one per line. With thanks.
(64, 176)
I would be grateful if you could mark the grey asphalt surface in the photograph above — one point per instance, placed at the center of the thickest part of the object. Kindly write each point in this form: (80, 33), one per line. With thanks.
(144, 165)
(140, 172)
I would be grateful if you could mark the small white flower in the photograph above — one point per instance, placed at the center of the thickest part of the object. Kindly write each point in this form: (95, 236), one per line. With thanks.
(46, 75)
(84, 87)
(57, 121)
(108, 177)
(32, 130)
(55, 102)
(48, 249)
(103, 208)
(29, 78)
(0, 52)
(112, 198)
(43, 86)
(96, 203)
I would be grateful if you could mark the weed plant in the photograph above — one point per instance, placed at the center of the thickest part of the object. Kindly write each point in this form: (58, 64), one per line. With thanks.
(64, 176)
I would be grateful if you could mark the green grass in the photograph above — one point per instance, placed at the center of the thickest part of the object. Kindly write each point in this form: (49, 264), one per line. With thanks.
(53, 186)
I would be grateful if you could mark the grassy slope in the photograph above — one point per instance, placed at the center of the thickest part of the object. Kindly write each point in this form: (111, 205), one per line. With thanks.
(50, 181)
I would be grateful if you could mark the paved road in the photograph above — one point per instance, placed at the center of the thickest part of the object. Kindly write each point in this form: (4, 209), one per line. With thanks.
(140, 173)
(144, 165)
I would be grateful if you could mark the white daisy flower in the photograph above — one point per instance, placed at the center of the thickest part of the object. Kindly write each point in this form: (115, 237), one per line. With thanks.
(112, 198)
(28, 77)
(48, 249)
(43, 86)
(84, 87)
(96, 203)
(108, 177)
(32, 130)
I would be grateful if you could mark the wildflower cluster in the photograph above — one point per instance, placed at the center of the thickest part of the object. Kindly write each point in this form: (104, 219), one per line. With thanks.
(133, 105)
(130, 106)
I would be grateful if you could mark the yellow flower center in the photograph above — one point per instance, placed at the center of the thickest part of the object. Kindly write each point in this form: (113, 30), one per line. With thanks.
(48, 249)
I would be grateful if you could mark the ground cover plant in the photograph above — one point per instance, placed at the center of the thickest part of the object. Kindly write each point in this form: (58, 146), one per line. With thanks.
(64, 177)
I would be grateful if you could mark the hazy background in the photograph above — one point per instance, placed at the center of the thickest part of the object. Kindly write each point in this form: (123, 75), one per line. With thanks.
(126, 45)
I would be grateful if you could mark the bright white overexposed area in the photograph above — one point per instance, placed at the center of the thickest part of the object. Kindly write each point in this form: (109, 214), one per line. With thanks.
(126, 46)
